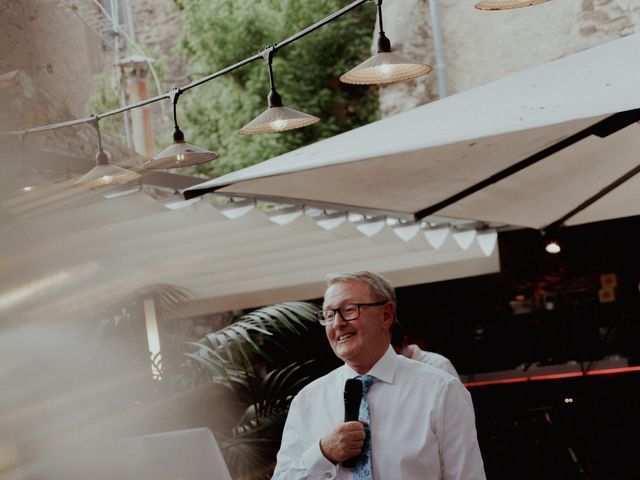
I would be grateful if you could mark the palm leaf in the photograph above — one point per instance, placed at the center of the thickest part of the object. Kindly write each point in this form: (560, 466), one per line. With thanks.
(256, 437)
(230, 355)
(234, 344)
(273, 397)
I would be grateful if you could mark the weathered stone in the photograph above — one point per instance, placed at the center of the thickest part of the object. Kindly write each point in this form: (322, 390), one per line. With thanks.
(479, 47)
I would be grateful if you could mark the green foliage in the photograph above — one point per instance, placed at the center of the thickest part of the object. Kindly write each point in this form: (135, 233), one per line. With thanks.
(238, 357)
(230, 353)
(251, 449)
(219, 33)
(257, 363)
(104, 98)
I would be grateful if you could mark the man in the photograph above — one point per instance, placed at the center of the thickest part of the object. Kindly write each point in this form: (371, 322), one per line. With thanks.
(401, 345)
(420, 420)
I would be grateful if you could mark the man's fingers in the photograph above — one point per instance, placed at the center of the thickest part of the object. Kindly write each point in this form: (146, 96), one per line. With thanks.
(353, 426)
(344, 442)
(356, 436)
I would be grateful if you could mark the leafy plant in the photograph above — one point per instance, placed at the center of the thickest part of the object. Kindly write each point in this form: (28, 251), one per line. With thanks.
(223, 351)
(218, 33)
(238, 356)
(104, 97)
(257, 363)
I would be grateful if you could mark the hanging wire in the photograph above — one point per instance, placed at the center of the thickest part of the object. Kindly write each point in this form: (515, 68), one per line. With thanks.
(195, 83)
(96, 125)
(174, 94)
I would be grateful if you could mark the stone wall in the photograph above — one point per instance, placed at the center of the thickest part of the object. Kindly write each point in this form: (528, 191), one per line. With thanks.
(61, 54)
(158, 28)
(47, 41)
(479, 47)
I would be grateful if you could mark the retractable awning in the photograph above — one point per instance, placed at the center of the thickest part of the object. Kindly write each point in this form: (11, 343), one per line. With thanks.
(63, 252)
(555, 144)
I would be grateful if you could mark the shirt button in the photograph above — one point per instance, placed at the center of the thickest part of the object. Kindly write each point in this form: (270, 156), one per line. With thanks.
(328, 475)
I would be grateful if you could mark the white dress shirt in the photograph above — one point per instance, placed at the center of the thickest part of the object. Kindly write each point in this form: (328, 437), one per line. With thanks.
(433, 359)
(422, 425)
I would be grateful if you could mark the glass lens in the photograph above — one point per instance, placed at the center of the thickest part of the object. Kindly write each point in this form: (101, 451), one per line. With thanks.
(325, 316)
(349, 312)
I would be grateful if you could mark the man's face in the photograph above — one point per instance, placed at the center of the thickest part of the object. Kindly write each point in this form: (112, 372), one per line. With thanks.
(360, 342)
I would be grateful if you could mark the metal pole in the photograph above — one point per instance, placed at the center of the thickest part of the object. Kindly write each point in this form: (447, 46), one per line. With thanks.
(140, 117)
(115, 14)
(132, 30)
(437, 47)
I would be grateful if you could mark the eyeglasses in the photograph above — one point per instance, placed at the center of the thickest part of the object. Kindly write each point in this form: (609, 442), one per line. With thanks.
(347, 312)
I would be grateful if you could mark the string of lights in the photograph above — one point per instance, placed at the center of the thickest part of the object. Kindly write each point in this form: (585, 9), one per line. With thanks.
(383, 67)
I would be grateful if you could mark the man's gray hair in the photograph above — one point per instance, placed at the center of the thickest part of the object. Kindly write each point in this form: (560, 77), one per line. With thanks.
(377, 285)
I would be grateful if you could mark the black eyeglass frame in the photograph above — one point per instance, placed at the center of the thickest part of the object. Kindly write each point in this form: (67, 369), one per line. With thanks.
(320, 314)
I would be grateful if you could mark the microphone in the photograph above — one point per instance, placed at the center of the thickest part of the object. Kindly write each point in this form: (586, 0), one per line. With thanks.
(352, 399)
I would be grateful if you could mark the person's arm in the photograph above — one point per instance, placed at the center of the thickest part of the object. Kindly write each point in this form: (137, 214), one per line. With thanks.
(296, 460)
(448, 367)
(457, 437)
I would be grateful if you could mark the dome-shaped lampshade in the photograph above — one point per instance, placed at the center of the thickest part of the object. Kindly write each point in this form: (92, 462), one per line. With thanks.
(506, 4)
(278, 119)
(28, 181)
(105, 174)
(180, 154)
(384, 67)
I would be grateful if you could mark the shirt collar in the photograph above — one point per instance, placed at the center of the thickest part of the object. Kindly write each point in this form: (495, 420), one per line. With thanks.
(384, 369)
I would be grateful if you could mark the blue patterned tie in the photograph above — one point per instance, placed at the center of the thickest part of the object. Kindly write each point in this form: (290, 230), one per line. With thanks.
(362, 469)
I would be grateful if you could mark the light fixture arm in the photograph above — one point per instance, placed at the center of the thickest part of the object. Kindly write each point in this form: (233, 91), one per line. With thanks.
(23, 166)
(101, 156)
(178, 136)
(274, 98)
(22, 135)
(384, 44)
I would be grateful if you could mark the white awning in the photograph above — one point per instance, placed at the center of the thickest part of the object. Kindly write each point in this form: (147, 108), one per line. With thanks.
(63, 252)
(465, 155)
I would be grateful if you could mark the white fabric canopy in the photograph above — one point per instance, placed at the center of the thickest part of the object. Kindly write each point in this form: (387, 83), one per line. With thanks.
(413, 163)
(64, 250)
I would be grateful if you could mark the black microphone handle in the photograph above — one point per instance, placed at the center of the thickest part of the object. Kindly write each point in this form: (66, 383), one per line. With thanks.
(352, 399)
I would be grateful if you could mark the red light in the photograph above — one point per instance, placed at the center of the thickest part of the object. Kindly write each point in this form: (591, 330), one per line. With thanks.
(552, 376)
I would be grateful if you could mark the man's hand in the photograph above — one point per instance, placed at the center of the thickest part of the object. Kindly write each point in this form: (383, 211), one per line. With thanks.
(344, 442)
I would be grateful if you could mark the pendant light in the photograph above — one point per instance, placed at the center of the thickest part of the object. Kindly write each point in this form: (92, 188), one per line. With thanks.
(552, 247)
(506, 4)
(179, 153)
(105, 173)
(276, 118)
(385, 66)
(551, 244)
(27, 181)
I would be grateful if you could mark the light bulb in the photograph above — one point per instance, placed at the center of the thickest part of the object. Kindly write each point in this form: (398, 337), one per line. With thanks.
(386, 69)
(279, 124)
(552, 247)
(28, 188)
(106, 179)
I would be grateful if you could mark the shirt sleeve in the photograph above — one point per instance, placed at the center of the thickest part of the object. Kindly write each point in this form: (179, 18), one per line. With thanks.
(297, 461)
(433, 359)
(457, 437)
(448, 367)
